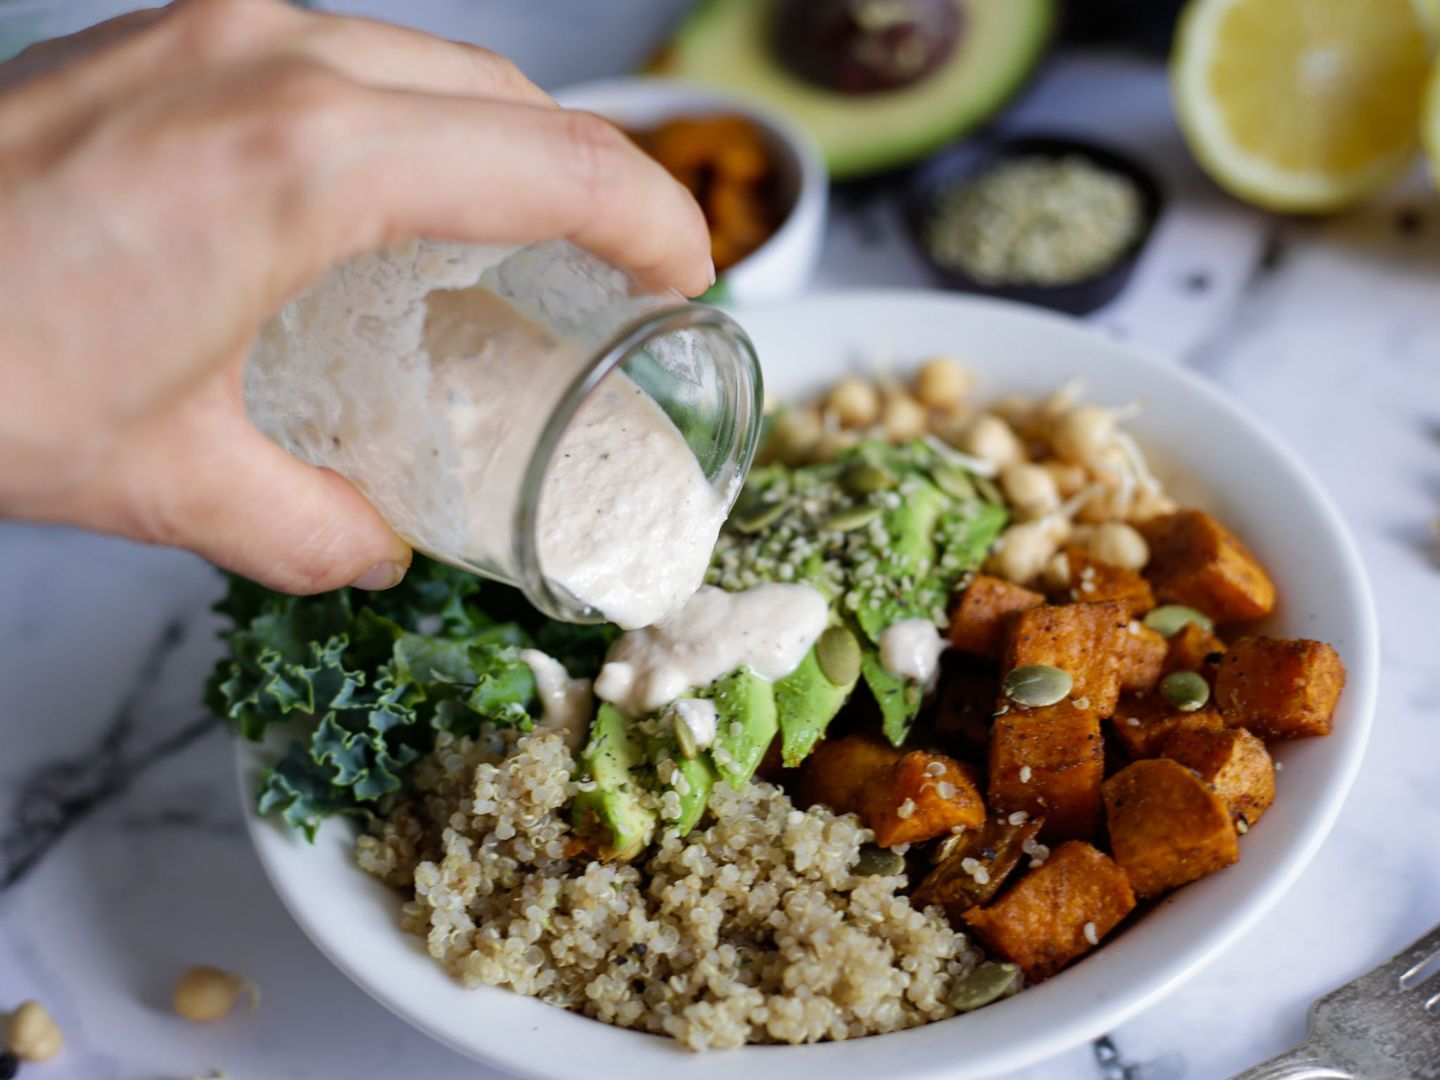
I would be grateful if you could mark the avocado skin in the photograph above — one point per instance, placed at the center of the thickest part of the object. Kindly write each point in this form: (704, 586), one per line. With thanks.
(805, 703)
(745, 699)
(612, 817)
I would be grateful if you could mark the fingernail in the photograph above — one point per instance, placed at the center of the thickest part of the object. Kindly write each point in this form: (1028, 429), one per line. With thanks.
(713, 277)
(384, 576)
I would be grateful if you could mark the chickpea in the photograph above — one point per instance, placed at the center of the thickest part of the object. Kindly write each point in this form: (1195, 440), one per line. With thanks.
(950, 426)
(1056, 575)
(1069, 478)
(1119, 544)
(794, 435)
(1080, 434)
(1107, 504)
(1030, 489)
(903, 417)
(832, 442)
(31, 1033)
(1150, 503)
(1024, 550)
(942, 383)
(1014, 409)
(854, 402)
(991, 438)
(204, 994)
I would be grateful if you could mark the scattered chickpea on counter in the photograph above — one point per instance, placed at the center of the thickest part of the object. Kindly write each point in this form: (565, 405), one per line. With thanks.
(32, 1034)
(1069, 471)
(205, 994)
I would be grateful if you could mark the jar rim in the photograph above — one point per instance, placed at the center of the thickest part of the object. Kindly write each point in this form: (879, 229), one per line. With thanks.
(624, 344)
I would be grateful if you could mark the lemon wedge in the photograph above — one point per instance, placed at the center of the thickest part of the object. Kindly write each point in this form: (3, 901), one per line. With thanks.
(1302, 105)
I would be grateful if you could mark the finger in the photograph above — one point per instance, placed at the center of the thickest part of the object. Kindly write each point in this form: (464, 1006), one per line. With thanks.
(384, 55)
(203, 478)
(397, 164)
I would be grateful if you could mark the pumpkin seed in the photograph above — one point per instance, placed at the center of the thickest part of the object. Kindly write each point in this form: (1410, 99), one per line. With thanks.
(988, 491)
(1037, 685)
(987, 983)
(853, 518)
(879, 862)
(1167, 620)
(863, 478)
(760, 519)
(1185, 690)
(685, 738)
(955, 482)
(838, 654)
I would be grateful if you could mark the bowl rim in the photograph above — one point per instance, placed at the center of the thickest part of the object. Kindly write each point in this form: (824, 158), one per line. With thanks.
(678, 97)
(912, 1052)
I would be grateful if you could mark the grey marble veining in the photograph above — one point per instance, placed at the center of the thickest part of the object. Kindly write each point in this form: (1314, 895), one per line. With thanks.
(122, 858)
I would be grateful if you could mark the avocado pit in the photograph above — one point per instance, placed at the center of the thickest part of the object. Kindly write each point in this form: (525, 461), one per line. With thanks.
(865, 46)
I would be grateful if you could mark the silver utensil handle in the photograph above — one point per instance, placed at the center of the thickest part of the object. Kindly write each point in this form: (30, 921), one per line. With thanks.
(1302, 1063)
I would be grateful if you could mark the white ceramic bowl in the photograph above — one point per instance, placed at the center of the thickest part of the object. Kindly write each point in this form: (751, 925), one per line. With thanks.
(781, 267)
(1206, 447)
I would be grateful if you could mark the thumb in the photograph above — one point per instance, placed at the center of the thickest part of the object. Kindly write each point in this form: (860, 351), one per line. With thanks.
(208, 481)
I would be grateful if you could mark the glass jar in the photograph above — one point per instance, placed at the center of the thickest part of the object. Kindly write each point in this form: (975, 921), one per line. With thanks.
(532, 415)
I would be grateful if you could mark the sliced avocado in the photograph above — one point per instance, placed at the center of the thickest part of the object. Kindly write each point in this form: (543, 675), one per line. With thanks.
(746, 725)
(730, 44)
(899, 698)
(807, 700)
(613, 817)
(911, 552)
(699, 774)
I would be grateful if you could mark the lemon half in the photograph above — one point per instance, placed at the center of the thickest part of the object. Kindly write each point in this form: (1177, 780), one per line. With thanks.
(1302, 105)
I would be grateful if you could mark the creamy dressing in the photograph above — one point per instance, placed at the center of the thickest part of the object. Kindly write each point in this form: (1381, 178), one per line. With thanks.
(565, 703)
(911, 648)
(627, 519)
(768, 629)
(700, 716)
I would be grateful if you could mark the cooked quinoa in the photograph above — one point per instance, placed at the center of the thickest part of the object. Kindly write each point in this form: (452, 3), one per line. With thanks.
(754, 928)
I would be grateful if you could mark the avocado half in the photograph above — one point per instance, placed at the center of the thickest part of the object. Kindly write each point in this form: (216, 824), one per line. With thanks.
(728, 44)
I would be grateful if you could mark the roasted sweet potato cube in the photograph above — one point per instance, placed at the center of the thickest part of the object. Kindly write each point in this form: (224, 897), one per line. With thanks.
(1280, 688)
(968, 687)
(1142, 661)
(1167, 826)
(1193, 648)
(1195, 560)
(920, 797)
(1092, 581)
(1082, 639)
(1141, 721)
(978, 615)
(1057, 912)
(1049, 763)
(976, 867)
(838, 770)
(1232, 761)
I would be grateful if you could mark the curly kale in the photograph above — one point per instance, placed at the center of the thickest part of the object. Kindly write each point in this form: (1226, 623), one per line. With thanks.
(366, 680)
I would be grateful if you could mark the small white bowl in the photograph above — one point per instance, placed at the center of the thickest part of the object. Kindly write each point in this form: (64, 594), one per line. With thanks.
(1207, 450)
(782, 266)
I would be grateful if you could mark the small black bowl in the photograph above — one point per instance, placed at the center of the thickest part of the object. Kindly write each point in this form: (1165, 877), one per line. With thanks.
(964, 162)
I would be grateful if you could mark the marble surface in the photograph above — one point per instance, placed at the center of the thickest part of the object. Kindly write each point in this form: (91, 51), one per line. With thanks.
(122, 858)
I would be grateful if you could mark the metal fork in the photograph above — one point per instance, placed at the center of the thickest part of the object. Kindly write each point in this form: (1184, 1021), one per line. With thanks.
(1382, 1026)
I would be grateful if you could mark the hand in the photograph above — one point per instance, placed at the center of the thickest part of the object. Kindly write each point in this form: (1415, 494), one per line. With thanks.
(170, 178)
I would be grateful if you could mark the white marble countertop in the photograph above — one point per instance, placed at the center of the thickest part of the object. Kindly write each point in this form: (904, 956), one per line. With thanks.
(122, 858)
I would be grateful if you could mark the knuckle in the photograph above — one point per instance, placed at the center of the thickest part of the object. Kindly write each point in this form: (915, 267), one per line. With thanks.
(219, 29)
(499, 72)
(297, 111)
(594, 147)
